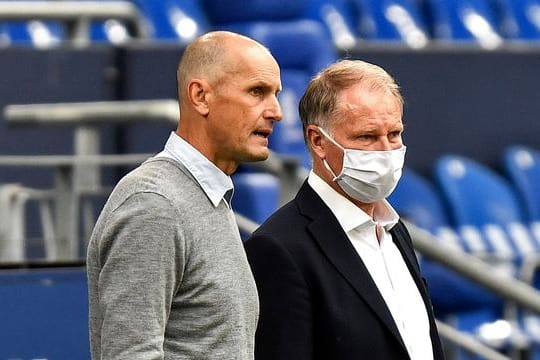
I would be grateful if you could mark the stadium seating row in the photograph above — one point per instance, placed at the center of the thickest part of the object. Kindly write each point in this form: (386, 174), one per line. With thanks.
(411, 22)
(491, 216)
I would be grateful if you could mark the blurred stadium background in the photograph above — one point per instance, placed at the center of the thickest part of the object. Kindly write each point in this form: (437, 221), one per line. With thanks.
(87, 92)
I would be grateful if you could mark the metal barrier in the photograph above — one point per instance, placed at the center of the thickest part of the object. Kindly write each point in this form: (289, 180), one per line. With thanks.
(93, 113)
(75, 177)
(79, 174)
(475, 269)
(77, 15)
(13, 198)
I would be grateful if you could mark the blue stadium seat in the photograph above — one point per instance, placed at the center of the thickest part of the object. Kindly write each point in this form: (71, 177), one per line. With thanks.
(174, 20)
(109, 31)
(12, 32)
(398, 20)
(518, 19)
(487, 215)
(38, 34)
(417, 200)
(256, 195)
(229, 11)
(339, 19)
(485, 209)
(477, 194)
(301, 46)
(464, 20)
(522, 165)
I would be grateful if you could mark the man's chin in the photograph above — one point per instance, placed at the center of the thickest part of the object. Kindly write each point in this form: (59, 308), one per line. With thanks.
(259, 155)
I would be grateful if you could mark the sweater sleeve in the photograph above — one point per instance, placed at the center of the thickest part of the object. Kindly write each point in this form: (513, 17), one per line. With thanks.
(141, 266)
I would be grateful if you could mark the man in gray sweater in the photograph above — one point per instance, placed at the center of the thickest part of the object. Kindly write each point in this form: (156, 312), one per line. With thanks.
(167, 274)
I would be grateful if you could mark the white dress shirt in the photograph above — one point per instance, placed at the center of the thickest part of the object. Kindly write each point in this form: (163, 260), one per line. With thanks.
(215, 183)
(385, 265)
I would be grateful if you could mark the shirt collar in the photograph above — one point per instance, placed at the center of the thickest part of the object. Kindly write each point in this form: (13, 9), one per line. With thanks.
(349, 215)
(215, 183)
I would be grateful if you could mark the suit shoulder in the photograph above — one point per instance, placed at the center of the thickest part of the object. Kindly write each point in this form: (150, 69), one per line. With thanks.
(284, 220)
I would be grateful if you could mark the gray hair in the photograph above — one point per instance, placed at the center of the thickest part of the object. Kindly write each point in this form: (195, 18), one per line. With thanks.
(320, 101)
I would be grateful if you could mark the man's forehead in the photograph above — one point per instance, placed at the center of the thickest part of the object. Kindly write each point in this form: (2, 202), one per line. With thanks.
(358, 98)
(262, 67)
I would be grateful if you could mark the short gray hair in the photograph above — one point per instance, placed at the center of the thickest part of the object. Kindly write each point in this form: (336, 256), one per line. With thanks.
(321, 97)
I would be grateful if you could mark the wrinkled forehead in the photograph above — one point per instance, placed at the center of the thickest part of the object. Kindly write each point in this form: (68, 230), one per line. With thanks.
(359, 98)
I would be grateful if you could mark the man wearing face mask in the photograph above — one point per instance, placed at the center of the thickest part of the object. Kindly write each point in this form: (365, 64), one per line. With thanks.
(335, 268)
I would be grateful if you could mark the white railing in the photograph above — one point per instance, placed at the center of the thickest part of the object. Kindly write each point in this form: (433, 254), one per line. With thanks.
(76, 15)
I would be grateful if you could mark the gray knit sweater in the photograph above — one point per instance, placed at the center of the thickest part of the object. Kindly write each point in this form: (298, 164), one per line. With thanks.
(167, 274)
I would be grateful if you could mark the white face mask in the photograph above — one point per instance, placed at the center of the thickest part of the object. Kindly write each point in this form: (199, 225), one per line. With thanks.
(368, 176)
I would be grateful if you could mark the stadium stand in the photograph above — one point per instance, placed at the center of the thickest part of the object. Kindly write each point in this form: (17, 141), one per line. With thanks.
(414, 23)
(419, 201)
(396, 20)
(35, 33)
(522, 165)
(460, 301)
(43, 24)
(449, 92)
(485, 209)
(256, 195)
(465, 20)
(174, 20)
(337, 17)
(518, 19)
(489, 217)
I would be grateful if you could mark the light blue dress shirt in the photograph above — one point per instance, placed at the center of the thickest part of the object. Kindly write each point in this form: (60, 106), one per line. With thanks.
(215, 183)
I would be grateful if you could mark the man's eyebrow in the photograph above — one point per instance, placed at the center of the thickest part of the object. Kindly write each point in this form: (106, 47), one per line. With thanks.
(265, 85)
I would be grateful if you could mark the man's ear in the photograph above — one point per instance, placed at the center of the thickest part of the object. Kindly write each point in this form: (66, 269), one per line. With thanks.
(314, 140)
(198, 95)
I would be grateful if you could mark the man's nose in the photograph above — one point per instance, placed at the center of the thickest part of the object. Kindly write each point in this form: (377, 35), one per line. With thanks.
(273, 110)
(384, 144)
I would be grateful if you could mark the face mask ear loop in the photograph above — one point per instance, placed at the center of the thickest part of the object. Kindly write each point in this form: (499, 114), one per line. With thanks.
(329, 169)
(330, 138)
(324, 160)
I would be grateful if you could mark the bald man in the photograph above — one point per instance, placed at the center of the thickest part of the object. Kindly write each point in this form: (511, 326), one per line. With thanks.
(167, 274)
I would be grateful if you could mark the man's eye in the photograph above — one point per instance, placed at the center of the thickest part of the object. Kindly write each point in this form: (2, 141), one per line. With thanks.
(366, 137)
(257, 91)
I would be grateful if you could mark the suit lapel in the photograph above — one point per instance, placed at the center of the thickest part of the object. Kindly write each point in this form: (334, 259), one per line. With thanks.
(336, 246)
(400, 234)
(400, 239)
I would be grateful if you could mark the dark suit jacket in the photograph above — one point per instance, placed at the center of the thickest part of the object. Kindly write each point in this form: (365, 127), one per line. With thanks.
(317, 298)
